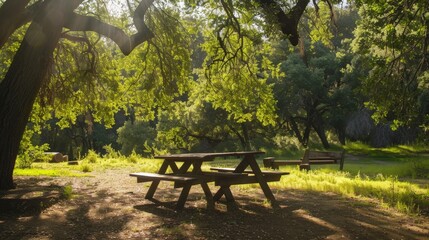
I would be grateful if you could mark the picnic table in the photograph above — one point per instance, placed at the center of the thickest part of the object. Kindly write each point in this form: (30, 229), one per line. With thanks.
(247, 171)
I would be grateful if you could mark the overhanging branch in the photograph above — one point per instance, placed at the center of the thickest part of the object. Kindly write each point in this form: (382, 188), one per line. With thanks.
(13, 14)
(288, 22)
(125, 43)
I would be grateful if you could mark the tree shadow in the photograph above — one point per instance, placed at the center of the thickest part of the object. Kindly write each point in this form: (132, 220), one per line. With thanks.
(302, 215)
(120, 211)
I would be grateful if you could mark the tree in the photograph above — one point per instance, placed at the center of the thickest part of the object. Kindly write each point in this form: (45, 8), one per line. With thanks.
(314, 91)
(51, 20)
(392, 37)
(30, 65)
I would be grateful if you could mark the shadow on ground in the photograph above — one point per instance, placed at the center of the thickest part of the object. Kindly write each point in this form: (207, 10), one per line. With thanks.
(112, 206)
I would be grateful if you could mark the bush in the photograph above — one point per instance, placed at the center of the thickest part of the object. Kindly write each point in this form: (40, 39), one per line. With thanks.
(26, 158)
(91, 157)
(110, 152)
(85, 168)
(136, 136)
(133, 157)
(67, 192)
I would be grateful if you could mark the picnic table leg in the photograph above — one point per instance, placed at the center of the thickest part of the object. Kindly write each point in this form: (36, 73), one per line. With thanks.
(208, 194)
(224, 190)
(264, 185)
(204, 186)
(155, 183)
(184, 168)
(183, 196)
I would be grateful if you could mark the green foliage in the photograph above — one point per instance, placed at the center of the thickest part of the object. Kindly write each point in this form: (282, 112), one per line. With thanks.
(30, 152)
(313, 91)
(138, 136)
(91, 157)
(134, 157)
(392, 38)
(67, 192)
(85, 167)
(110, 152)
(235, 75)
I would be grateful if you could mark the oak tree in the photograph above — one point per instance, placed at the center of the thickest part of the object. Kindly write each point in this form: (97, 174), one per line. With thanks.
(47, 22)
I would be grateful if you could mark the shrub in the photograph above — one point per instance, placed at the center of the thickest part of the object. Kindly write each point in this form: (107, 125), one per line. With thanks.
(85, 168)
(91, 157)
(136, 136)
(67, 192)
(110, 152)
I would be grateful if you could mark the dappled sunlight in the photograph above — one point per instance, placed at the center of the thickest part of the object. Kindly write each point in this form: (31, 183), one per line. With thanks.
(307, 216)
(404, 196)
(112, 205)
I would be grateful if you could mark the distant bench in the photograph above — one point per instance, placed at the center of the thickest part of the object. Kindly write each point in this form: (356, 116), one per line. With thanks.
(309, 158)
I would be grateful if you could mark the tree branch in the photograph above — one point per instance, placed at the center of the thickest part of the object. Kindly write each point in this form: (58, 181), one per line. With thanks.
(125, 43)
(288, 22)
(12, 16)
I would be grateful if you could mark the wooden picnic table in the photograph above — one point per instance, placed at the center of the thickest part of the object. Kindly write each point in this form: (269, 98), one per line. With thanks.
(186, 177)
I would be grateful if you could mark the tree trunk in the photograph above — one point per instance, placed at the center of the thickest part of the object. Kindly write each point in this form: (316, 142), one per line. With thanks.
(246, 142)
(341, 132)
(22, 82)
(320, 130)
(295, 129)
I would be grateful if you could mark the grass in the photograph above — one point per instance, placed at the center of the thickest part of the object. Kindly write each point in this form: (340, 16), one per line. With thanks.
(54, 172)
(389, 191)
(386, 175)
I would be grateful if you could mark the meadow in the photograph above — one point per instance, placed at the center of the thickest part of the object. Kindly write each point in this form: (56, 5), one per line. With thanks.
(395, 177)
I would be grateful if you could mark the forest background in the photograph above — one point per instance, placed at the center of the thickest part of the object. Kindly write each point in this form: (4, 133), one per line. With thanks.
(217, 80)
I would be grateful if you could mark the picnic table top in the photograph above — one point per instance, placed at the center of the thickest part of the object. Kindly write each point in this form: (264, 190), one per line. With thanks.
(206, 156)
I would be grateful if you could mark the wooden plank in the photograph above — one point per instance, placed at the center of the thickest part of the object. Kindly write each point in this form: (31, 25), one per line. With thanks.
(247, 171)
(245, 180)
(287, 162)
(148, 177)
(321, 158)
(322, 161)
(206, 156)
(206, 177)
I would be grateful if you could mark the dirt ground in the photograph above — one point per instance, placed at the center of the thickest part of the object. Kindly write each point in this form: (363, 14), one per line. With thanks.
(111, 205)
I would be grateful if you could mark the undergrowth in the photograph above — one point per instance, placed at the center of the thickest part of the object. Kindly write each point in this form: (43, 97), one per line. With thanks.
(389, 191)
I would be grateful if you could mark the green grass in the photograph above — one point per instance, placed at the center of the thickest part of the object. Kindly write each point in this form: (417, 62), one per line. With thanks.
(386, 175)
(48, 172)
(393, 151)
(85, 167)
(404, 196)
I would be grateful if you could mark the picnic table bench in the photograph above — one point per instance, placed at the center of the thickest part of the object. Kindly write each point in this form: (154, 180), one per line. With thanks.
(183, 177)
(310, 157)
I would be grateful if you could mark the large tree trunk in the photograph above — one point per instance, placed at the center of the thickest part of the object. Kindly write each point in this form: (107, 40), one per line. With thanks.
(297, 132)
(22, 82)
(320, 130)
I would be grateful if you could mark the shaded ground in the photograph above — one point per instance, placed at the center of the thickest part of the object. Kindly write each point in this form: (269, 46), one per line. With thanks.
(111, 205)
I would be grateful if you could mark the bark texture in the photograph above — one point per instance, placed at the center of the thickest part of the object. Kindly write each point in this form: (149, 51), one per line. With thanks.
(19, 88)
(31, 63)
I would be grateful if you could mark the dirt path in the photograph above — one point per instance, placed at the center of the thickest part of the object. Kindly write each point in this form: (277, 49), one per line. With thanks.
(111, 206)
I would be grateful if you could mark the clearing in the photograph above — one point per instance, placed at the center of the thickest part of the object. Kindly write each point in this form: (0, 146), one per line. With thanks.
(111, 205)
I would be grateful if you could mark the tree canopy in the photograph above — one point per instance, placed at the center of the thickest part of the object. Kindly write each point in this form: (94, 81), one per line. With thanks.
(170, 75)
(75, 27)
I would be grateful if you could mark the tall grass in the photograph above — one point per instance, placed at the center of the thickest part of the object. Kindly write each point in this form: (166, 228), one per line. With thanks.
(54, 172)
(389, 191)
